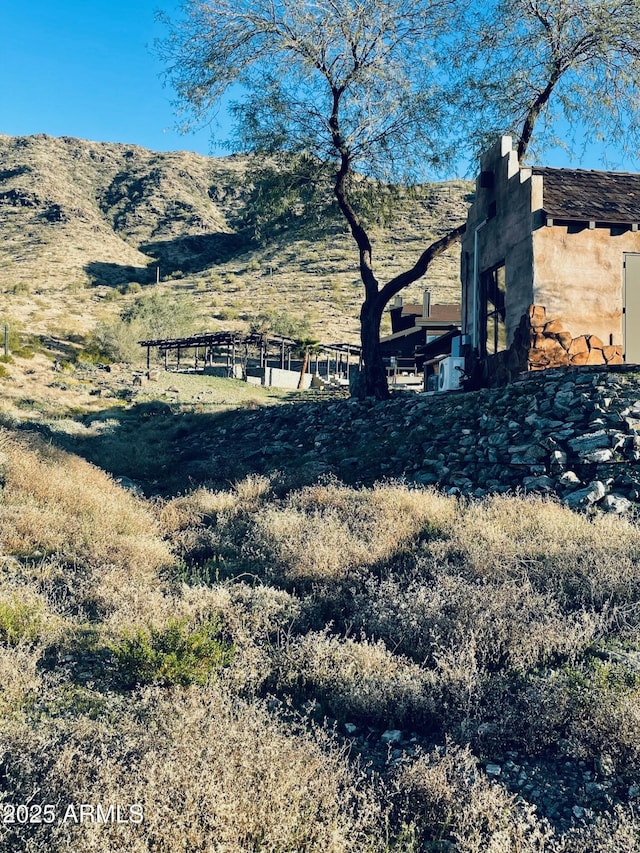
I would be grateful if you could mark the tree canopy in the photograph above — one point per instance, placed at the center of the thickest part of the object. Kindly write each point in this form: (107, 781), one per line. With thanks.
(309, 70)
(553, 73)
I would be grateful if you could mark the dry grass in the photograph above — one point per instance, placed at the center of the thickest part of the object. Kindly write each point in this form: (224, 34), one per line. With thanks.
(487, 625)
(68, 520)
(359, 680)
(207, 769)
(444, 796)
(324, 532)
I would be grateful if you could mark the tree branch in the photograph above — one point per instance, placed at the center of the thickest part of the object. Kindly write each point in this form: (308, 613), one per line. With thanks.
(391, 288)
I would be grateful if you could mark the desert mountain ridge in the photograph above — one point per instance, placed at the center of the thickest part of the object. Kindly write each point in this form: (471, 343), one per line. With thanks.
(81, 221)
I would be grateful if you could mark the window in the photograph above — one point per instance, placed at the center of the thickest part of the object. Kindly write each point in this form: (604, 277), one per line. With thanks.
(492, 285)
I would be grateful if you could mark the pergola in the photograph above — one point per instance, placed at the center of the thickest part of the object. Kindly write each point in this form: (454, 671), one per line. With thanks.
(235, 346)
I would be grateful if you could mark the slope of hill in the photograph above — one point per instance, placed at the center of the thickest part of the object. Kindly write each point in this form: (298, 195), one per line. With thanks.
(328, 668)
(80, 219)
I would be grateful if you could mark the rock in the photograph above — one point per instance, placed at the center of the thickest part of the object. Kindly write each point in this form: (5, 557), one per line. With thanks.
(391, 736)
(493, 770)
(569, 478)
(594, 492)
(541, 484)
(617, 504)
(603, 454)
(351, 729)
(590, 441)
(558, 459)
(578, 345)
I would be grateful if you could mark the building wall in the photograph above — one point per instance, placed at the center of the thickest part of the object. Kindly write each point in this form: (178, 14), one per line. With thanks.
(573, 271)
(579, 277)
(506, 235)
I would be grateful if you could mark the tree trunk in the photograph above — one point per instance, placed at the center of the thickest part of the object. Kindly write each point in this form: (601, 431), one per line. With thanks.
(374, 372)
(303, 369)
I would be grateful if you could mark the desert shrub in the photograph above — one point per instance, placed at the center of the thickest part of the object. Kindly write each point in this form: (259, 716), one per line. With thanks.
(179, 653)
(114, 341)
(70, 521)
(20, 621)
(610, 833)
(20, 679)
(570, 709)
(444, 798)
(161, 315)
(323, 532)
(210, 772)
(152, 315)
(511, 626)
(358, 680)
(584, 562)
(605, 715)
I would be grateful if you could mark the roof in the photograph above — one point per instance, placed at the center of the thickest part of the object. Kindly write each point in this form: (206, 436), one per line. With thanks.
(584, 196)
(444, 312)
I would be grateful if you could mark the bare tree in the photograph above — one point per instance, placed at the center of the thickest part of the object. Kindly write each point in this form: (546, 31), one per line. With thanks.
(350, 82)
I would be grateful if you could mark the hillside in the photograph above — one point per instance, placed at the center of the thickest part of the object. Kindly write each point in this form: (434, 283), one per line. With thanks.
(82, 221)
(330, 668)
(251, 619)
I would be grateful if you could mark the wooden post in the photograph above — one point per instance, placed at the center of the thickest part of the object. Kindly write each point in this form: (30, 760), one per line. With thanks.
(6, 339)
(148, 358)
(282, 355)
(166, 358)
(178, 361)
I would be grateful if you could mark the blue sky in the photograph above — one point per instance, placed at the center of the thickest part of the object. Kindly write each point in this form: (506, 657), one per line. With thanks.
(86, 69)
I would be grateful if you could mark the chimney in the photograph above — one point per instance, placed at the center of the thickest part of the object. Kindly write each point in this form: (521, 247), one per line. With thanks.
(397, 302)
(426, 304)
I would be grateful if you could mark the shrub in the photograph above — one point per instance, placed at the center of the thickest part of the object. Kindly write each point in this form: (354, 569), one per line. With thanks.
(323, 532)
(83, 537)
(358, 680)
(510, 625)
(176, 654)
(444, 798)
(210, 773)
(20, 621)
(20, 679)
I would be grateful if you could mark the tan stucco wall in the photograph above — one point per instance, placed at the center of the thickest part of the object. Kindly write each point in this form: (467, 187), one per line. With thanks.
(578, 277)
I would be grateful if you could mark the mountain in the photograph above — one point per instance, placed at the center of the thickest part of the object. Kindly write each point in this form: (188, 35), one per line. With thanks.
(85, 225)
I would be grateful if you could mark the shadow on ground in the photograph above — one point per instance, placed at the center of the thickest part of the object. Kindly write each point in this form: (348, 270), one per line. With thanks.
(165, 450)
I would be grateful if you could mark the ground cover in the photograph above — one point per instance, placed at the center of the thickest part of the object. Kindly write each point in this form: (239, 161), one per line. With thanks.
(327, 667)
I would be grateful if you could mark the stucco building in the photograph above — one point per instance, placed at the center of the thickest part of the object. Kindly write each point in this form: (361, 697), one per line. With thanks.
(550, 267)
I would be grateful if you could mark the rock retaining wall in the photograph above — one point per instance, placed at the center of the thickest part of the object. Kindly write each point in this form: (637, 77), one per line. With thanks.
(573, 432)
